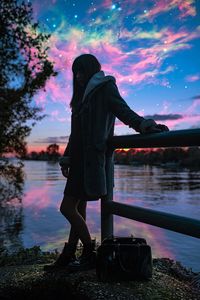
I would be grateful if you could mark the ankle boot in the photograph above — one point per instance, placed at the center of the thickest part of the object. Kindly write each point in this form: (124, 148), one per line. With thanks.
(87, 259)
(66, 256)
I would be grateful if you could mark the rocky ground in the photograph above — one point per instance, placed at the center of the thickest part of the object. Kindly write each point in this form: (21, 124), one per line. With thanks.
(22, 277)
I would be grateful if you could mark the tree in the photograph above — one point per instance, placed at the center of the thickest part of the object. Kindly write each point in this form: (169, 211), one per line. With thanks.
(24, 70)
(53, 152)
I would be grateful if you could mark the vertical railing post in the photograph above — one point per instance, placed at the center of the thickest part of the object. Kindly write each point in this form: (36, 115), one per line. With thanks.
(107, 218)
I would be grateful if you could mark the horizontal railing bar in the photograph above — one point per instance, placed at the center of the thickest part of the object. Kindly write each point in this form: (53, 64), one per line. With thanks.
(164, 220)
(177, 138)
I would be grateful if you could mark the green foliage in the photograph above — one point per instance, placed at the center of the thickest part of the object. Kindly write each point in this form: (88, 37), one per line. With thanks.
(24, 70)
(26, 256)
(12, 179)
(53, 152)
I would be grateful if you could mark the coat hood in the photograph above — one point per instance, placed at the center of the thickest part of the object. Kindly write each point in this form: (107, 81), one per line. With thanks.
(95, 81)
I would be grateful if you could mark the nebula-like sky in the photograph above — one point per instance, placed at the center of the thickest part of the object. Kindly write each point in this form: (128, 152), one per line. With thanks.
(151, 47)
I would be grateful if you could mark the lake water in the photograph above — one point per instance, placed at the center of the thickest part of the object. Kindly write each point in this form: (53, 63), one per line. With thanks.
(38, 221)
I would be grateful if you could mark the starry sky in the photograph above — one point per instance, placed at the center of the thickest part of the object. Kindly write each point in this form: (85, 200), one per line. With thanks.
(151, 47)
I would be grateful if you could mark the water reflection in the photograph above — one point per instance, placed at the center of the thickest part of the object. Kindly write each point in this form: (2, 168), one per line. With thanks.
(168, 190)
(11, 208)
(154, 178)
(154, 235)
(11, 224)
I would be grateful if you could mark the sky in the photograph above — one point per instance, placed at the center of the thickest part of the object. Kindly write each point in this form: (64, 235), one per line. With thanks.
(150, 47)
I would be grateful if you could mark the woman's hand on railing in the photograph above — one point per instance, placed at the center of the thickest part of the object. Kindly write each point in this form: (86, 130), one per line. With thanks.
(150, 126)
(157, 128)
(162, 127)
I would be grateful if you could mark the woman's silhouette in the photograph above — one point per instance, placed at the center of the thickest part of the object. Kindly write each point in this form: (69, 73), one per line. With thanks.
(95, 104)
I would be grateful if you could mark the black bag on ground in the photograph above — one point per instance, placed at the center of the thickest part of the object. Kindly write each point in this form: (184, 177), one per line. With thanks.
(123, 258)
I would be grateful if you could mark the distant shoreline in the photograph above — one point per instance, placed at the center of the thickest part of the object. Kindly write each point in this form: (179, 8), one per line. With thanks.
(161, 157)
(137, 163)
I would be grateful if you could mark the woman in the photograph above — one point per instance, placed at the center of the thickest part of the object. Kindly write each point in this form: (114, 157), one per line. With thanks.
(87, 160)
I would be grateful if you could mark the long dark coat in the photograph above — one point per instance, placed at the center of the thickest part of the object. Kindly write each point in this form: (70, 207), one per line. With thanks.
(101, 104)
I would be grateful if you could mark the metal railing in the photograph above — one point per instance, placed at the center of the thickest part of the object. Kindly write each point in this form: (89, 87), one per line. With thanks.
(184, 225)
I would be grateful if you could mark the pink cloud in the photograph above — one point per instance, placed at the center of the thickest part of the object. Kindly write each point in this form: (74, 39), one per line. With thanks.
(149, 60)
(145, 66)
(140, 65)
(193, 106)
(106, 4)
(186, 122)
(54, 113)
(113, 53)
(41, 99)
(127, 7)
(192, 78)
(56, 117)
(54, 92)
(185, 8)
(118, 123)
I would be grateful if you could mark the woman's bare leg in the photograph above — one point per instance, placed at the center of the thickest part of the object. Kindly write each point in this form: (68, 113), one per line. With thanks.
(73, 235)
(68, 252)
(69, 208)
